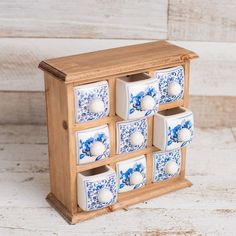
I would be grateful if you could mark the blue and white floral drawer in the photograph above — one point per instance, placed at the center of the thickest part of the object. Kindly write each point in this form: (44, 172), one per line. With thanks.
(92, 144)
(173, 128)
(97, 188)
(131, 173)
(91, 101)
(131, 135)
(137, 96)
(171, 84)
(166, 164)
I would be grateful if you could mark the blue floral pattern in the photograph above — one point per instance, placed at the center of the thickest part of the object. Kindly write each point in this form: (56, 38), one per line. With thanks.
(93, 187)
(173, 129)
(125, 130)
(165, 77)
(135, 101)
(86, 138)
(136, 92)
(128, 167)
(160, 160)
(84, 95)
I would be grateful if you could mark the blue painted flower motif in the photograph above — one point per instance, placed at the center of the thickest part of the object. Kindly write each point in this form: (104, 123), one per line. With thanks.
(165, 77)
(160, 160)
(125, 130)
(93, 188)
(126, 168)
(125, 176)
(173, 132)
(85, 146)
(135, 101)
(85, 138)
(85, 94)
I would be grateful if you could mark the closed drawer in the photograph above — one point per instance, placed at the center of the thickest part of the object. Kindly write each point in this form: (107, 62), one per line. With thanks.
(136, 96)
(131, 173)
(173, 128)
(91, 101)
(92, 144)
(97, 188)
(166, 165)
(131, 135)
(171, 84)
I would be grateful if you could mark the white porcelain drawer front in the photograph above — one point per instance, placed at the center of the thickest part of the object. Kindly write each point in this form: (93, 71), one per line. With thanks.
(136, 98)
(91, 101)
(131, 135)
(96, 188)
(171, 84)
(166, 164)
(173, 128)
(92, 144)
(131, 173)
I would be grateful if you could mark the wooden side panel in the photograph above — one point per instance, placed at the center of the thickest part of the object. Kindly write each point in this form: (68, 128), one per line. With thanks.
(58, 147)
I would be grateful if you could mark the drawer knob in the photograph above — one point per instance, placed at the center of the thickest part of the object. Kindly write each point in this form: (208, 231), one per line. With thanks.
(184, 135)
(171, 168)
(147, 103)
(97, 148)
(136, 178)
(105, 195)
(96, 106)
(136, 139)
(174, 89)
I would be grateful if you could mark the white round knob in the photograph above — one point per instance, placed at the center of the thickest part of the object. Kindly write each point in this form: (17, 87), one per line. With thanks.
(174, 89)
(96, 106)
(136, 178)
(97, 148)
(136, 139)
(171, 168)
(105, 195)
(184, 135)
(147, 103)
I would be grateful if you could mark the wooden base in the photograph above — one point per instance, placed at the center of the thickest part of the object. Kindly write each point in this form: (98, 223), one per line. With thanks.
(124, 199)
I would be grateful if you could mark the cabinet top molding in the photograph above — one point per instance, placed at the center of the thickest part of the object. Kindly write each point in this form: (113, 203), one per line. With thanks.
(88, 67)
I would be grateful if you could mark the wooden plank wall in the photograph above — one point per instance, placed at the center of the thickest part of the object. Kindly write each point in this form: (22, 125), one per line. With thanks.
(43, 29)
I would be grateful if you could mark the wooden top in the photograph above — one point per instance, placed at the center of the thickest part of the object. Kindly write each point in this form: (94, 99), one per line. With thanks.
(116, 61)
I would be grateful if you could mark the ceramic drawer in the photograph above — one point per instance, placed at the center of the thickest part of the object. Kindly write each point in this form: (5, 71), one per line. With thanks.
(97, 188)
(171, 84)
(131, 173)
(173, 128)
(91, 101)
(92, 144)
(131, 135)
(137, 96)
(166, 164)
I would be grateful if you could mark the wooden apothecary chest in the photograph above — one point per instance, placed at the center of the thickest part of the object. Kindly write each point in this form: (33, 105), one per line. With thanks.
(118, 126)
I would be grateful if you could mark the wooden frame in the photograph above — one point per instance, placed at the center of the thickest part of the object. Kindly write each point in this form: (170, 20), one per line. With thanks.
(59, 84)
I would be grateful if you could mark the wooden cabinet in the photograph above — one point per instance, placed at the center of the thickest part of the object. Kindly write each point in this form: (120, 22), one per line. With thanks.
(92, 77)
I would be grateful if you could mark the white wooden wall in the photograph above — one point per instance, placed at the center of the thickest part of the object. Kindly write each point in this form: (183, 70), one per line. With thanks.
(31, 31)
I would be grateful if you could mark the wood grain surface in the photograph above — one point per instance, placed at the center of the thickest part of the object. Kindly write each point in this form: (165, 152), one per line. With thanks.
(84, 19)
(115, 62)
(202, 20)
